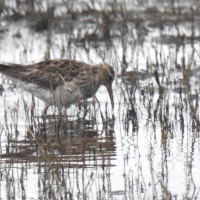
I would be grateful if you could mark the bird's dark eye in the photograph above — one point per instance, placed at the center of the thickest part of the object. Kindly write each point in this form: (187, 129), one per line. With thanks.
(110, 78)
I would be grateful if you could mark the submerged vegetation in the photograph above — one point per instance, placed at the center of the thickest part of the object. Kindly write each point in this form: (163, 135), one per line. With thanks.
(148, 148)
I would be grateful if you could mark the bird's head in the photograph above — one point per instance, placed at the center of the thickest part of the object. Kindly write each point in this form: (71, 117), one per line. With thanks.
(107, 76)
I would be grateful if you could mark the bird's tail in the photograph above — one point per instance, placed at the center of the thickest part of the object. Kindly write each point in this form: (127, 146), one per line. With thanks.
(12, 70)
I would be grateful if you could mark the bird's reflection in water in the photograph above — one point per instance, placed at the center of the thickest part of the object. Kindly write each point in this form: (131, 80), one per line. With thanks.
(65, 142)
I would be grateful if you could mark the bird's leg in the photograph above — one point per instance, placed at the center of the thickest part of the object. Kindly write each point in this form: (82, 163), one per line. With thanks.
(82, 106)
(45, 110)
(85, 109)
(59, 122)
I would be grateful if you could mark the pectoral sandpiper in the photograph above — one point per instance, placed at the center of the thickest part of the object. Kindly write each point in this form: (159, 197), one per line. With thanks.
(61, 82)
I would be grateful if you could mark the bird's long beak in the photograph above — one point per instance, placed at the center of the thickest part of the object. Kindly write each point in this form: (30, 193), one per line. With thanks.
(110, 92)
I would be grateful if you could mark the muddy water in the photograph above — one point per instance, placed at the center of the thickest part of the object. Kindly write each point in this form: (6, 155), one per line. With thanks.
(150, 149)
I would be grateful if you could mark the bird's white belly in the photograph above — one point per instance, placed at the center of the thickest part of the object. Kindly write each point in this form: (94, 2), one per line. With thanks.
(61, 96)
(67, 95)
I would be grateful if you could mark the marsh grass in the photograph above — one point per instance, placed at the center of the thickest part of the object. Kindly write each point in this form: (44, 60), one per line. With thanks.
(73, 153)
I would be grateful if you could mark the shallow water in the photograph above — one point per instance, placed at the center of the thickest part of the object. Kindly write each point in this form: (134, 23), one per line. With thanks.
(150, 150)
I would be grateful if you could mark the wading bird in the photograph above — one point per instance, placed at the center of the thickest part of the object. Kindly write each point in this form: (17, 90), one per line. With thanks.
(61, 82)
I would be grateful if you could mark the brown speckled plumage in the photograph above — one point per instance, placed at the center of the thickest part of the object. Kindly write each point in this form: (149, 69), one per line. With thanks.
(63, 78)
